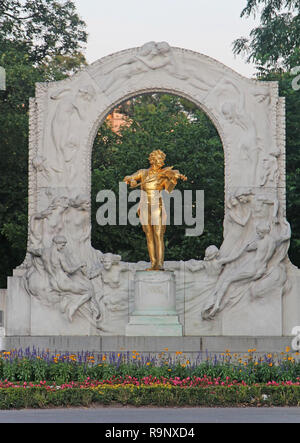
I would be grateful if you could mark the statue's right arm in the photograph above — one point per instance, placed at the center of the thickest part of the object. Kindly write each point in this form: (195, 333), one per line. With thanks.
(194, 266)
(134, 177)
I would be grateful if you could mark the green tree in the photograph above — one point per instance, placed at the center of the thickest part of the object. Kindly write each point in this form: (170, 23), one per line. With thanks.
(45, 27)
(274, 44)
(28, 56)
(192, 145)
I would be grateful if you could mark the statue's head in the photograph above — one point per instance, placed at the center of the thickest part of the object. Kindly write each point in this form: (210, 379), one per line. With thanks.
(157, 158)
(60, 242)
(80, 202)
(87, 93)
(243, 195)
(228, 110)
(147, 49)
(211, 252)
(262, 229)
(59, 202)
(163, 47)
(110, 259)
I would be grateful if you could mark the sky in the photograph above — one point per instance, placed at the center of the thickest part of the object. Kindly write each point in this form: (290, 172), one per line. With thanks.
(205, 26)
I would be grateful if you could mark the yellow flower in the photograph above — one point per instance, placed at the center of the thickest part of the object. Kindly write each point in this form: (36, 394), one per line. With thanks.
(287, 349)
(270, 364)
(188, 362)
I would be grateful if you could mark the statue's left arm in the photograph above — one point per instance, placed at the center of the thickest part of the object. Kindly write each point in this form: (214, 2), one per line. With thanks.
(171, 179)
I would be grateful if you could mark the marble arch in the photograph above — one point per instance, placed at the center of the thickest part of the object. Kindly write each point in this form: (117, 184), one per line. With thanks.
(64, 117)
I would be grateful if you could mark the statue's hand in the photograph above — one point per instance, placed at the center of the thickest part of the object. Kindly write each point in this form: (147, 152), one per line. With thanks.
(133, 183)
(127, 180)
(130, 181)
(182, 177)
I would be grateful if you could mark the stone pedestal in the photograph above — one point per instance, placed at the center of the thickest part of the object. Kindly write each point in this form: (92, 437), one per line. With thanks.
(155, 305)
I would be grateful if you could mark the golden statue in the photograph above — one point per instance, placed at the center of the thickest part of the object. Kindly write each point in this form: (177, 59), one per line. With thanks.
(151, 209)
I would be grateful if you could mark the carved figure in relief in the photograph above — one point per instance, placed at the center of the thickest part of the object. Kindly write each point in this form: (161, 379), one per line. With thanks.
(151, 56)
(112, 269)
(212, 263)
(235, 113)
(201, 278)
(69, 217)
(270, 173)
(107, 298)
(39, 164)
(252, 264)
(48, 223)
(36, 279)
(237, 222)
(266, 207)
(67, 124)
(78, 228)
(66, 278)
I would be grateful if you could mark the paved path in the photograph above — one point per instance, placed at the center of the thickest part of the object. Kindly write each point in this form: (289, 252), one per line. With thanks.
(153, 415)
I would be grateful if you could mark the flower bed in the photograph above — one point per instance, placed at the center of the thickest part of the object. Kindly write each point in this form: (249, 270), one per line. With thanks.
(33, 379)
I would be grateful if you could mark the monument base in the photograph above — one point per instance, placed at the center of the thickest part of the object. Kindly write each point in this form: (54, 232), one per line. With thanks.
(155, 306)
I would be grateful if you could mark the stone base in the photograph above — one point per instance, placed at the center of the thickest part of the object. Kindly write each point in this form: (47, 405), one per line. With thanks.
(154, 326)
(155, 306)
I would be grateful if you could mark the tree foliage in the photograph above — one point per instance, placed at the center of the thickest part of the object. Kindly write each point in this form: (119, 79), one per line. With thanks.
(46, 28)
(274, 44)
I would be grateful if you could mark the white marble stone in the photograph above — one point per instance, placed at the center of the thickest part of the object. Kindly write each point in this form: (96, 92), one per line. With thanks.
(290, 302)
(155, 305)
(3, 297)
(18, 308)
(245, 286)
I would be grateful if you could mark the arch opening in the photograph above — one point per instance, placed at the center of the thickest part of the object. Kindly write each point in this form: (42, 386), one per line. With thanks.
(176, 125)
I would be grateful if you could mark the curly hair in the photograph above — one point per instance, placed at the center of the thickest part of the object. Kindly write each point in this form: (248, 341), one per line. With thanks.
(157, 153)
